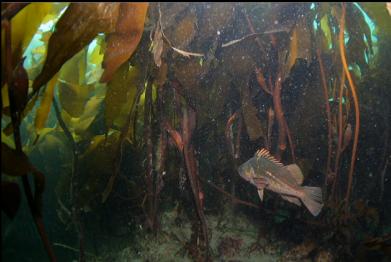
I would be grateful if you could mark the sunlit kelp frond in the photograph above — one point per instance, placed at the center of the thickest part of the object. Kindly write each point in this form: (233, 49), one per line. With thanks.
(73, 92)
(377, 16)
(33, 23)
(45, 105)
(36, 50)
(372, 41)
(77, 27)
(79, 74)
(121, 95)
(26, 30)
(25, 26)
(324, 25)
(95, 55)
(360, 36)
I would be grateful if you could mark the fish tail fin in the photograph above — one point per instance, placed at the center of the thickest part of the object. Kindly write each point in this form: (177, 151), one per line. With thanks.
(312, 199)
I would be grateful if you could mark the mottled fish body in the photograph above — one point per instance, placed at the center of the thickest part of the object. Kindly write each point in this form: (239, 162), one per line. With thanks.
(265, 172)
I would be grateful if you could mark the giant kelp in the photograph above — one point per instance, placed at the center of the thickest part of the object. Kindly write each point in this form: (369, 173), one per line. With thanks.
(189, 86)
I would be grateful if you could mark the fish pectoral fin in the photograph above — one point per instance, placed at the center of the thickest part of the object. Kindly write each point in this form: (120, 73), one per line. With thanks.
(260, 183)
(292, 199)
(296, 173)
(260, 194)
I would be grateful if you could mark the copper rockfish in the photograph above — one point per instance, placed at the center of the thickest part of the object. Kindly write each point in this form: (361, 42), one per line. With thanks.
(265, 172)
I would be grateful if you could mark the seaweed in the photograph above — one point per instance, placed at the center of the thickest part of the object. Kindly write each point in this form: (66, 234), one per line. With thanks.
(159, 103)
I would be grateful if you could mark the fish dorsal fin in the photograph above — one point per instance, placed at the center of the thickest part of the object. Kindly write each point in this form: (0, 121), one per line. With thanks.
(264, 153)
(296, 173)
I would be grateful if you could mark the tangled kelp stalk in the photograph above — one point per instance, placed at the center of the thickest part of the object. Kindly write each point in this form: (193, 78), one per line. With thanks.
(74, 188)
(185, 146)
(342, 125)
(17, 95)
(355, 99)
(328, 113)
(275, 91)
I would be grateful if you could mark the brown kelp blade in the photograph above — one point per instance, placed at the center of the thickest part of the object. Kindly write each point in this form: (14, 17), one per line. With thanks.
(13, 163)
